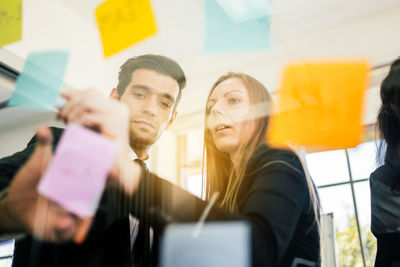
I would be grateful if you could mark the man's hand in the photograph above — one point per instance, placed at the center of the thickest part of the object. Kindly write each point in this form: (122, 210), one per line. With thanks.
(94, 110)
(23, 209)
(111, 118)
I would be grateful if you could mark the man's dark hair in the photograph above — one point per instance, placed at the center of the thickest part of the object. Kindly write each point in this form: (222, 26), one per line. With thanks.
(160, 64)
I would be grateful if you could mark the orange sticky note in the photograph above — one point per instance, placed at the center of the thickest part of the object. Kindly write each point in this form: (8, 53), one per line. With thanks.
(320, 105)
(123, 23)
(10, 21)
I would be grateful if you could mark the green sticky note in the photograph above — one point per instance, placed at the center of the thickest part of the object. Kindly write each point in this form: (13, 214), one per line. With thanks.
(40, 82)
(10, 21)
(224, 34)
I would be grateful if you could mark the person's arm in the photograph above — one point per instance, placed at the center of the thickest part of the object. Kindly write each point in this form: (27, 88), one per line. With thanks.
(272, 207)
(23, 209)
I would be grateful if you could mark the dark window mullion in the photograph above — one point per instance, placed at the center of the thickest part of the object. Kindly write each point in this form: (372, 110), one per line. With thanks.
(355, 208)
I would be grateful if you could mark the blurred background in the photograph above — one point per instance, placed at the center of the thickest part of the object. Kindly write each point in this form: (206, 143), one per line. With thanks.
(300, 30)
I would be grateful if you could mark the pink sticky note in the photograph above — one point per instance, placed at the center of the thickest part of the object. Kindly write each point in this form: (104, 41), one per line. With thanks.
(76, 176)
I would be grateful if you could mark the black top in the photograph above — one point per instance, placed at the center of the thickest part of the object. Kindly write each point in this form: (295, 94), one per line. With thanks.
(273, 198)
(385, 213)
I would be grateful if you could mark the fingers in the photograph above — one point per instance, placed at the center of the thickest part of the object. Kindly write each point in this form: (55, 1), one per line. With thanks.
(52, 223)
(37, 163)
(82, 229)
(81, 102)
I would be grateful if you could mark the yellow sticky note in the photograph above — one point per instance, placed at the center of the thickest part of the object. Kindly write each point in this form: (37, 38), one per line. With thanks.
(123, 23)
(10, 21)
(320, 105)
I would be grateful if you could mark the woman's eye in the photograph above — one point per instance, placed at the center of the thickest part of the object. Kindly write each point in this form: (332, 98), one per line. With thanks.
(234, 100)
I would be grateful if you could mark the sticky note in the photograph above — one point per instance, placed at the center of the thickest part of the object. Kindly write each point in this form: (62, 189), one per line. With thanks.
(243, 10)
(40, 82)
(320, 105)
(218, 244)
(76, 176)
(123, 23)
(223, 34)
(10, 21)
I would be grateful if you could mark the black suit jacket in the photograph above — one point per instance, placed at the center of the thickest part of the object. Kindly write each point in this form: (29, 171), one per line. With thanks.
(273, 198)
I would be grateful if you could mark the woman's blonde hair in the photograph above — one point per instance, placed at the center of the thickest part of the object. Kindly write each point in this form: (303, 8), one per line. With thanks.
(221, 176)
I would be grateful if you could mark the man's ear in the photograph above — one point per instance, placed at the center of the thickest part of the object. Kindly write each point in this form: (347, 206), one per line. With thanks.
(173, 117)
(114, 94)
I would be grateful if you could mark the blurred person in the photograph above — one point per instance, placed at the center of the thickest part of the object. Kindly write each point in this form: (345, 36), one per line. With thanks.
(385, 181)
(141, 107)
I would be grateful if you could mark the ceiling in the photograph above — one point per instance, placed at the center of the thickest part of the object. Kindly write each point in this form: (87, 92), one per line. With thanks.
(300, 30)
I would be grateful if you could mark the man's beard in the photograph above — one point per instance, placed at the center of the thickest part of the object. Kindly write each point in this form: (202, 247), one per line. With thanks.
(142, 140)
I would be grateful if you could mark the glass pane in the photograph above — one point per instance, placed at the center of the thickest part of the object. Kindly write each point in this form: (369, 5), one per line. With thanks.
(6, 248)
(6, 262)
(194, 145)
(328, 167)
(338, 200)
(193, 184)
(362, 192)
(363, 160)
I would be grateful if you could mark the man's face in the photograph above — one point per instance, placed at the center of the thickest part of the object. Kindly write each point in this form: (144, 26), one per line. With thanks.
(150, 97)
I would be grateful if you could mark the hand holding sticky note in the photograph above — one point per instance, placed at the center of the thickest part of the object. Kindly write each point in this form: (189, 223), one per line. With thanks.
(123, 23)
(77, 174)
(320, 105)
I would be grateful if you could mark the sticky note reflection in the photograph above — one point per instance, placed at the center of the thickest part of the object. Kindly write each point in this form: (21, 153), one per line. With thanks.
(10, 21)
(224, 34)
(77, 174)
(123, 23)
(243, 10)
(40, 82)
(320, 105)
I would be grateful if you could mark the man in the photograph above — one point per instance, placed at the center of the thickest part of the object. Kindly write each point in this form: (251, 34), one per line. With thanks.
(151, 87)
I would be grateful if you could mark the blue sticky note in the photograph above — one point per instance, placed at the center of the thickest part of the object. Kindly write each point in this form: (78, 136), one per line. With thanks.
(40, 82)
(217, 244)
(243, 10)
(223, 34)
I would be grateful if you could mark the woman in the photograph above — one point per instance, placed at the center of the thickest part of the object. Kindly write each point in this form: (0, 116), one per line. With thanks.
(385, 181)
(264, 186)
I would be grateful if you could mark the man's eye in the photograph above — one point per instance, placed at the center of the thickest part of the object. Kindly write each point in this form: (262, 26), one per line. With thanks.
(165, 105)
(139, 95)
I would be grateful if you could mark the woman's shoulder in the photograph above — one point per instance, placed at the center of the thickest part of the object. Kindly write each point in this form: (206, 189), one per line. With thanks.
(265, 156)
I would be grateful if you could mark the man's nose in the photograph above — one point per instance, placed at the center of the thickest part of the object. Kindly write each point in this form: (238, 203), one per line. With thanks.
(150, 106)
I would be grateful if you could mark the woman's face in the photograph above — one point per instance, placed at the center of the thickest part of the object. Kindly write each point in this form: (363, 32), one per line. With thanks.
(228, 110)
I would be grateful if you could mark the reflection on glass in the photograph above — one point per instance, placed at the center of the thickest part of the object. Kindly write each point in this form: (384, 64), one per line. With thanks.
(363, 160)
(338, 200)
(328, 167)
(362, 192)
(6, 249)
